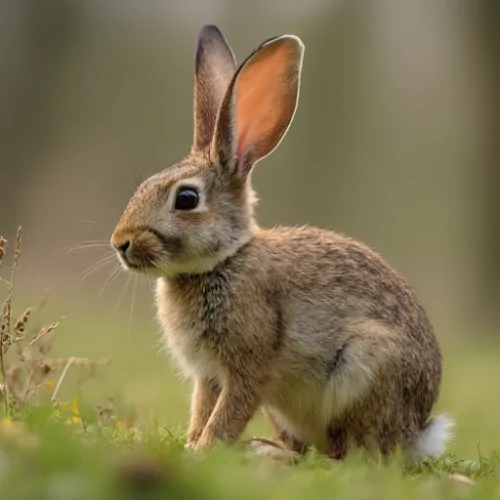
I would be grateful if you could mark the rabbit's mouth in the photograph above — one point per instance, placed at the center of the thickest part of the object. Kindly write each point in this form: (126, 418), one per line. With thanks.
(140, 263)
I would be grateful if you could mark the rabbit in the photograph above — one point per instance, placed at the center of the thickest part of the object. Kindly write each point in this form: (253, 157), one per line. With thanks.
(306, 324)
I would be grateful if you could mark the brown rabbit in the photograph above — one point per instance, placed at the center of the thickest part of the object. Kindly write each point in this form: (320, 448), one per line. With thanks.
(309, 325)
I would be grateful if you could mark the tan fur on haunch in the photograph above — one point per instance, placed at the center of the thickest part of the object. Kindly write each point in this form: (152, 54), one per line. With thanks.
(311, 326)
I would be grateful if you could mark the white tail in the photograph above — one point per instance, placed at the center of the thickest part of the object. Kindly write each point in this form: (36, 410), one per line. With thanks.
(432, 442)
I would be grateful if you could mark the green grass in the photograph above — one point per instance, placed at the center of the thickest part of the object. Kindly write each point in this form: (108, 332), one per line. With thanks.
(93, 461)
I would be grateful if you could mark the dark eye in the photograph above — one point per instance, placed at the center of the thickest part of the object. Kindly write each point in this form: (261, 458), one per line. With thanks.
(187, 199)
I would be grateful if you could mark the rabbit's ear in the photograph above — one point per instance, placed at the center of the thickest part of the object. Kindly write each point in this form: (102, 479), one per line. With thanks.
(259, 104)
(215, 65)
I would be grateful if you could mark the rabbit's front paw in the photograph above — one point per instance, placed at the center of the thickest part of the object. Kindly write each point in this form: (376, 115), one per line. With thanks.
(193, 436)
(205, 442)
(190, 445)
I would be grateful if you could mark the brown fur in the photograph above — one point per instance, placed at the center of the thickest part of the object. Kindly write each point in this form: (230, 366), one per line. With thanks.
(312, 326)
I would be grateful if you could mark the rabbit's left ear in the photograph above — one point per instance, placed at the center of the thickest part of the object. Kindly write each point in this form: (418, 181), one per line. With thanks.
(215, 65)
(259, 104)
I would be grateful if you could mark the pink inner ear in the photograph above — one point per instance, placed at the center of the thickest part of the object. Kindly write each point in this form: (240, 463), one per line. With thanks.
(242, 144)
(266, 93)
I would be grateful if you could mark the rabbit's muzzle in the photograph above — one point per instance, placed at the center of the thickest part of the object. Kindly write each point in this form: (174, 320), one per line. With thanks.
(139, 250)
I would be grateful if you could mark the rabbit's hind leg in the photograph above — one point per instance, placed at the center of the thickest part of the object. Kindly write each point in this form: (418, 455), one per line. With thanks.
(275, 450)
(284, 436)
(285, 447)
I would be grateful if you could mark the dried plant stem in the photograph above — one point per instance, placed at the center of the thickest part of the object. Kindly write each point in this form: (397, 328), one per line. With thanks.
(61, 378)
(6, 319)
(70, 362)
(82, 361)
(5, 379)
(45, 331)
(34, 367)
(5, 339)
(31, 376)
(3, 245)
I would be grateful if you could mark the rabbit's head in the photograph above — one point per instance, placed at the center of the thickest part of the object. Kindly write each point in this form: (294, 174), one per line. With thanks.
(194, 214)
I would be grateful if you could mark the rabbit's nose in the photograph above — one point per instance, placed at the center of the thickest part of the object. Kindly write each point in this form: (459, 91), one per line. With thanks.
(123, 247)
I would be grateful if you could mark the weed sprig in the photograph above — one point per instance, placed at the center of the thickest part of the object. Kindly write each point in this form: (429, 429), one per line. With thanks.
(30, 367)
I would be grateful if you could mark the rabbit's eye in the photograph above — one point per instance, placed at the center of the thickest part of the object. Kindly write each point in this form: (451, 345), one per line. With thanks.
(187, 199)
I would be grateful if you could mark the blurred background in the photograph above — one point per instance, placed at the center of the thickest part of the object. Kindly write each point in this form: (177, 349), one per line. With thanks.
(396, 141)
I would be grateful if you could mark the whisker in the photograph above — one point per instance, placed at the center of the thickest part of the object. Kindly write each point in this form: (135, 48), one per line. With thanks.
(101, 263)
(94, 223)
(98, 210)
(86, 245)
(159, 259)
(132, 304)
(111, 277)
(145, 279)
(125, 288)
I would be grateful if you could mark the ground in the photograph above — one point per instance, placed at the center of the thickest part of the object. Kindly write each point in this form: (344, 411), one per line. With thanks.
(55, 460)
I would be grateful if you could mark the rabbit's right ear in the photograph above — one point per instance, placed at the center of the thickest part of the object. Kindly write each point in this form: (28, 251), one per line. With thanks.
(259, 104)
(215, 65)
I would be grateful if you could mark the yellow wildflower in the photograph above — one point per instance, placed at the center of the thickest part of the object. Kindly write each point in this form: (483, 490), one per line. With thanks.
(75, 417)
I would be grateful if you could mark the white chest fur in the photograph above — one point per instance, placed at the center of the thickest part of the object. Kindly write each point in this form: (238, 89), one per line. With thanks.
(185, 333)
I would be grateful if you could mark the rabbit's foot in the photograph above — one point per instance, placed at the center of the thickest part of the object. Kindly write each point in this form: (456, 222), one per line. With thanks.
(272, 449)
